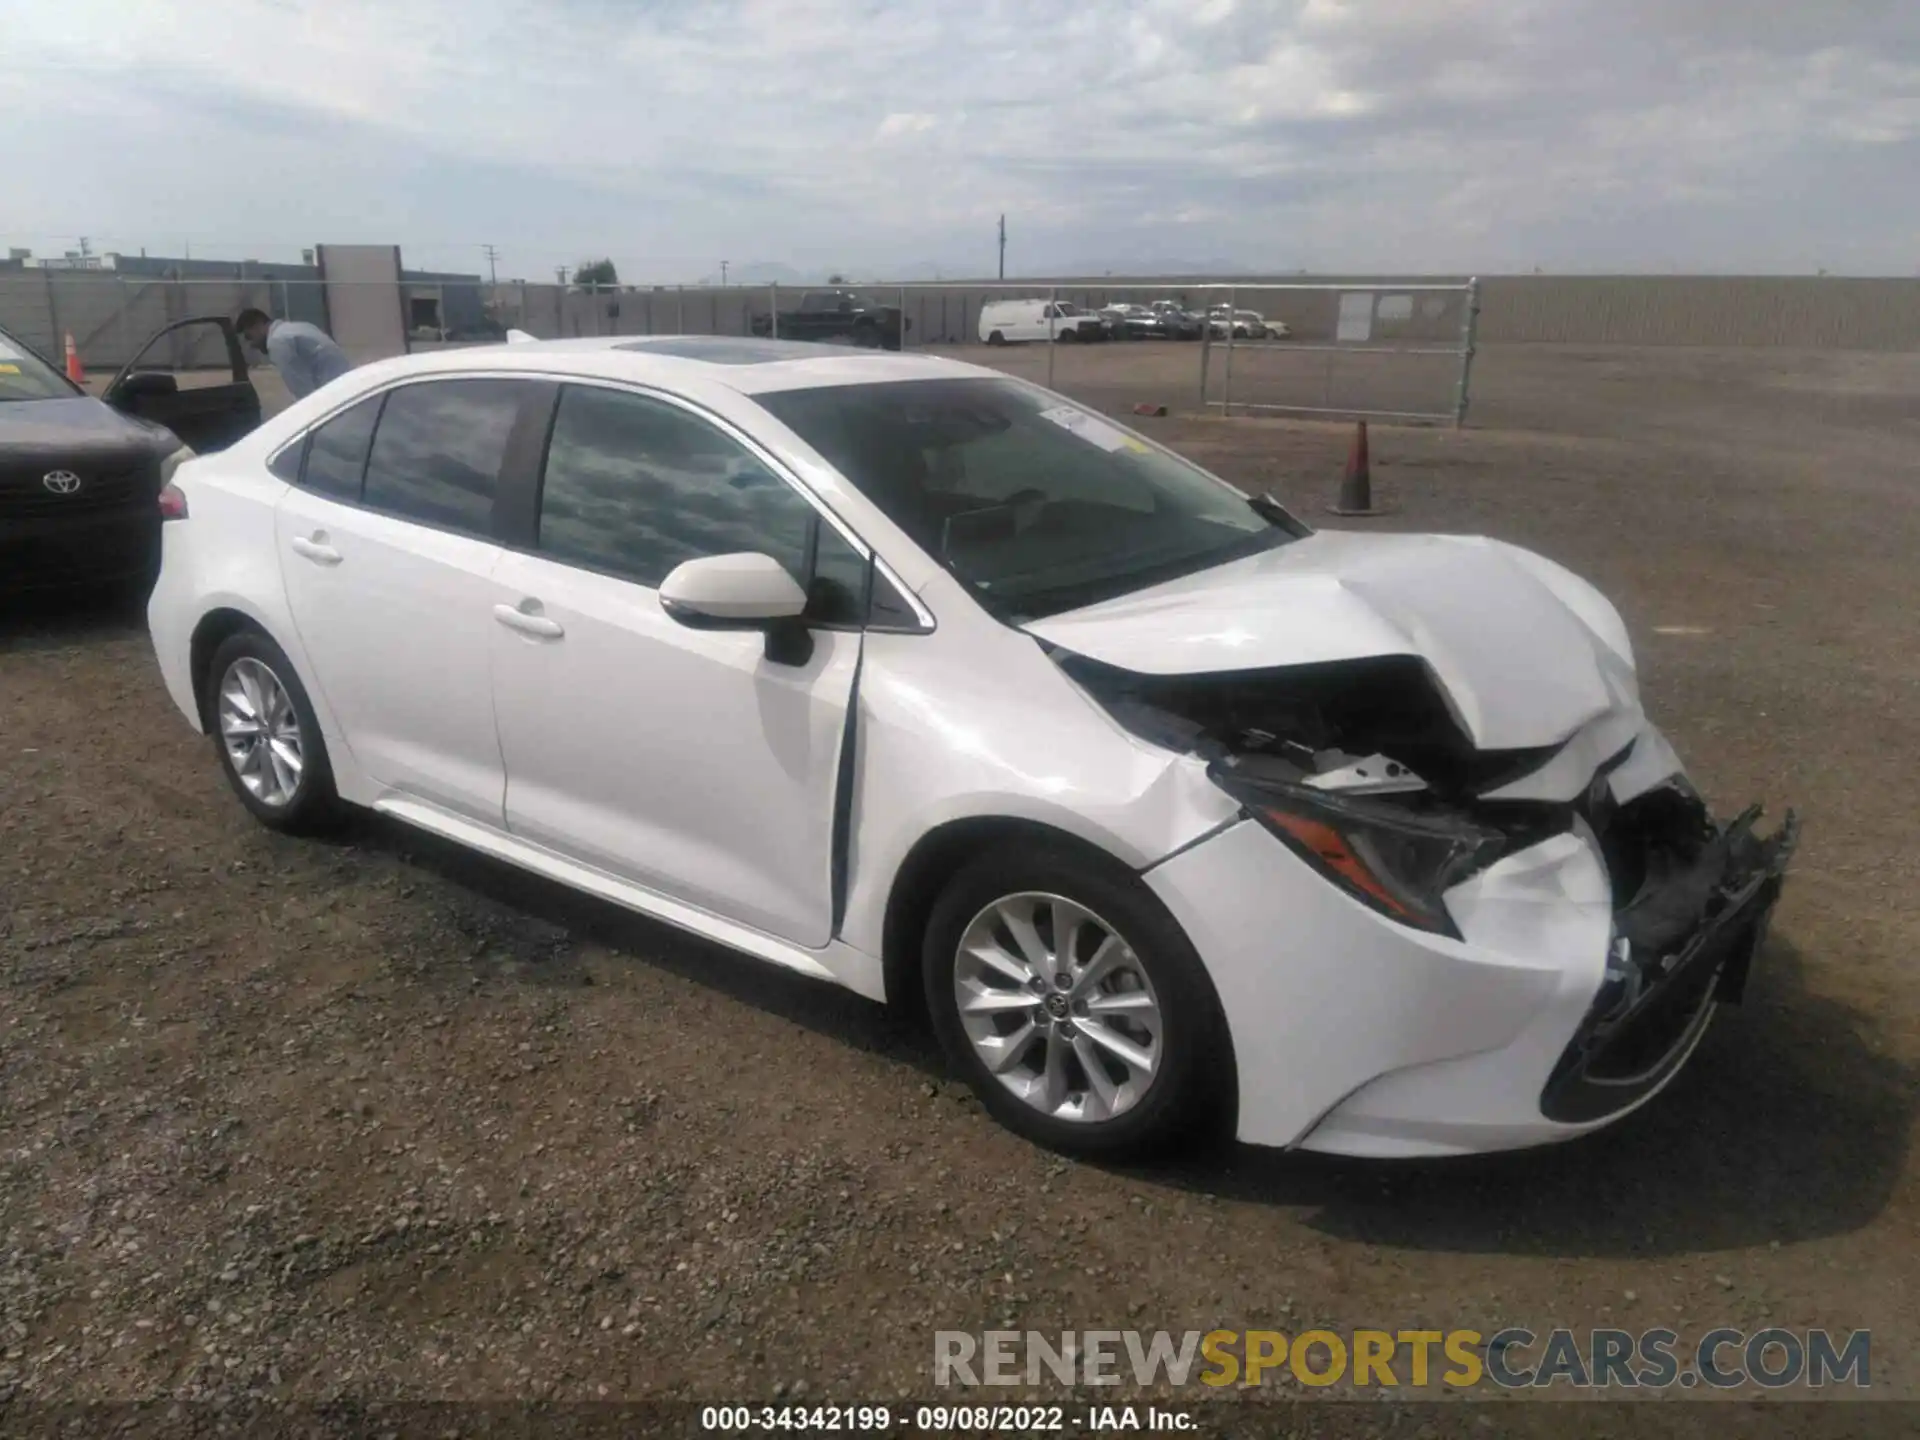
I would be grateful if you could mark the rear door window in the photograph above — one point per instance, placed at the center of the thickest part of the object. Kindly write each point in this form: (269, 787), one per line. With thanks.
(438, 450)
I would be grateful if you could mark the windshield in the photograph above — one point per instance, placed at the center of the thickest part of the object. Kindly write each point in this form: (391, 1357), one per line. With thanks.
(25, 376)
(1036, 505)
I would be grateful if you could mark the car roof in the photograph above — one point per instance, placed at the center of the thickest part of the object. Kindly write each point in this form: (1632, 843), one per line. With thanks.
(746, 364)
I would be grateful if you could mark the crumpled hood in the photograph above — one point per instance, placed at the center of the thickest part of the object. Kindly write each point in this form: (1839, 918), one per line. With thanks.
(1525, 651)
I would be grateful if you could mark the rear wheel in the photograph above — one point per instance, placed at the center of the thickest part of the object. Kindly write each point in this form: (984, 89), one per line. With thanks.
(1073, 1004)
(268, 739)
(996, 338)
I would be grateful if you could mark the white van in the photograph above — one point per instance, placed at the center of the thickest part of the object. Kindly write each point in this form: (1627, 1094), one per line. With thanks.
(1006, 322)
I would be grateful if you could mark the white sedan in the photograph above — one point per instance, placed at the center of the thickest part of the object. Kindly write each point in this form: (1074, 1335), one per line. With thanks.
(927, 682)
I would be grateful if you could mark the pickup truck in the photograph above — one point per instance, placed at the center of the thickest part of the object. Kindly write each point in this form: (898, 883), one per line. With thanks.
(837, 315)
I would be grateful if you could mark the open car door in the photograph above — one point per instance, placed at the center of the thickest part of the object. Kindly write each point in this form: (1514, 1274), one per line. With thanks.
(208, 417)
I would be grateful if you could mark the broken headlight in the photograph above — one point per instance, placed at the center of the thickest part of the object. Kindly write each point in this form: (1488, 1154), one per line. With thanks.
(1397, 861)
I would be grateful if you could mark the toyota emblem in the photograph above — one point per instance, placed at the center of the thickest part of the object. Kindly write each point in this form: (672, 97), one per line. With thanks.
(61, 482)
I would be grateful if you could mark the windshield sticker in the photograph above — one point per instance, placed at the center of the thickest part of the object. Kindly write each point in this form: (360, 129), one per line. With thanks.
(6, 369)
(7, 352)
(1091, 428)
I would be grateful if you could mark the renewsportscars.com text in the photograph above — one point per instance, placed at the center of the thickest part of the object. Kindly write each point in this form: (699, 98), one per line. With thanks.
(1511, 1358)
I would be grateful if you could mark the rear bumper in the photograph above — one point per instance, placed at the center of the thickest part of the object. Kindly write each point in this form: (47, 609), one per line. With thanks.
(68, 551)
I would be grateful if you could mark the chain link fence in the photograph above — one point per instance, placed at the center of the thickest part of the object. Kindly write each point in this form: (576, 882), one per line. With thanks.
(1349, 347)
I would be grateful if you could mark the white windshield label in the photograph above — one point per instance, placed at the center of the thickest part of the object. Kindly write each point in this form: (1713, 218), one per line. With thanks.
(7, 352)
(1090, 428)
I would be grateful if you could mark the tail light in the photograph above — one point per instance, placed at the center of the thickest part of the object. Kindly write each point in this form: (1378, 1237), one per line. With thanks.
(173, 502)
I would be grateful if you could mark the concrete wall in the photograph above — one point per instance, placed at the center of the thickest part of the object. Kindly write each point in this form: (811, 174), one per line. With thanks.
(1798, 313)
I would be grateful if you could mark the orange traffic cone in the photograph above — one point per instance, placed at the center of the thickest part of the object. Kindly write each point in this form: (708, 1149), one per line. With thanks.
(1356, 486)
(76, 372)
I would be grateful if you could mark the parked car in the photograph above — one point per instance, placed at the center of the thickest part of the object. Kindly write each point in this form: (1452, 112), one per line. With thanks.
(916, 678)
(81, 478)
(1180, 322)
(838, 315)
(1246, 325)
(1010, 322)
(1134, 322)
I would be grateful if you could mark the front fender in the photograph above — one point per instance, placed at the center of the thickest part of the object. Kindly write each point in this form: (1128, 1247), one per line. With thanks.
(1012, 739)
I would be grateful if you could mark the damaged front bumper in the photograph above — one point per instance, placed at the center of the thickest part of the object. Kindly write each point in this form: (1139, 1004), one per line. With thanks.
(1356, 1033)
(1685, 941)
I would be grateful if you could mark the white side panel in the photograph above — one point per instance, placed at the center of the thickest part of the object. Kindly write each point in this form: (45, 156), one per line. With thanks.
(221, 557)
(679, 759)
(396, 630)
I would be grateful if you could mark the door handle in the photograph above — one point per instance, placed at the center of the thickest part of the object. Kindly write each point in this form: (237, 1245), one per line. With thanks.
(526, 623)
(316, 549)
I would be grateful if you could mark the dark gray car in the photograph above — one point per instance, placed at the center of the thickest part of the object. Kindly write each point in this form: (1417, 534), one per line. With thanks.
(80, 477)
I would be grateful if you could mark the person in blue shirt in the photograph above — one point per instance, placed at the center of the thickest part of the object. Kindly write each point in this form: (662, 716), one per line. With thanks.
(305, 355)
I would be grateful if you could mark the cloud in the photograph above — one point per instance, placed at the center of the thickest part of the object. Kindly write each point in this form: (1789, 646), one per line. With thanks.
(905, 122)
(875, 135)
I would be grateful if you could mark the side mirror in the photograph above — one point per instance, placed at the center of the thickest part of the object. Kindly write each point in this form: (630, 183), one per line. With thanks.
(746, 592)
(742, 592)
(142, 385)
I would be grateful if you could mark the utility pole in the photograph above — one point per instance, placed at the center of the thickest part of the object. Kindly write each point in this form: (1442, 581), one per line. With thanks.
(493, 272)
(560, 273)
(723, 272)
(1003, 247)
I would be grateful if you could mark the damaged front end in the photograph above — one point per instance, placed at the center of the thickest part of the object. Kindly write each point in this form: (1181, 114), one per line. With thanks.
(1362, 770)
(1698, 897)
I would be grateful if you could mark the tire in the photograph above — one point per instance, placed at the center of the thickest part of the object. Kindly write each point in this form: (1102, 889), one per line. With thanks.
(242, 666)
(1157, 977)
(867, 337)
(1067, 337)
(996, 338)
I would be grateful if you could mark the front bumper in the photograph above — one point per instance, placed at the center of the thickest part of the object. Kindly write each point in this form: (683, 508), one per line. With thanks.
(1356, 1035)
(94, 547)
(1686, 941)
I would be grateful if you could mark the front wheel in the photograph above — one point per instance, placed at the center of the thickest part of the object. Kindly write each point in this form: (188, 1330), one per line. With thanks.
(1074, 1005)
(996, 338)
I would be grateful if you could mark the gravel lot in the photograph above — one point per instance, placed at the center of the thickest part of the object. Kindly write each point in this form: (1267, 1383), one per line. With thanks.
(375, 1118)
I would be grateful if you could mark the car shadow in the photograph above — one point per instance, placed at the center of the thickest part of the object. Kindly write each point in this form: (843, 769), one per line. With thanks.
(1785, 1126)
(526, 929)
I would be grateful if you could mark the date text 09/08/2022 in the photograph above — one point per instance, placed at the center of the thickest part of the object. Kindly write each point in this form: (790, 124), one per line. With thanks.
(945, 1419)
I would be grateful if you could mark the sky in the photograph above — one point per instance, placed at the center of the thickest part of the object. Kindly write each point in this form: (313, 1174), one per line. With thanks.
(885, 139)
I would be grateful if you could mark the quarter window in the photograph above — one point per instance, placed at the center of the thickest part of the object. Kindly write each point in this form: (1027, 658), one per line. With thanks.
(337, 452)
(437, 453)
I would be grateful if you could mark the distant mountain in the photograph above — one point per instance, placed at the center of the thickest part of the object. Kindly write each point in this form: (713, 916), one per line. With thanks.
(770, 272)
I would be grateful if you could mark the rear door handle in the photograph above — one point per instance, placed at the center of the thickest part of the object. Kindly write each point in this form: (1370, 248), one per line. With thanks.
(528, 624)
(316, 550)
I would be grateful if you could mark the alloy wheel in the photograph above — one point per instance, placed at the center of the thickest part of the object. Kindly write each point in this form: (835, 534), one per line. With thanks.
(1058, 1007)
(260, 732)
